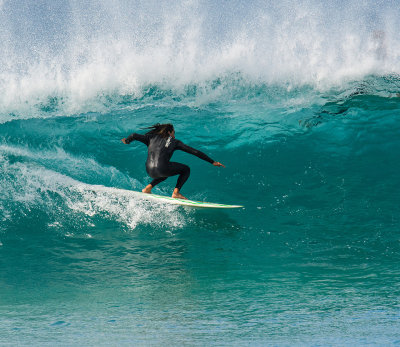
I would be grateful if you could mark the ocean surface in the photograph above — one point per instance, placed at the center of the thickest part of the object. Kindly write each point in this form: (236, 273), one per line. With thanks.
(299, 99)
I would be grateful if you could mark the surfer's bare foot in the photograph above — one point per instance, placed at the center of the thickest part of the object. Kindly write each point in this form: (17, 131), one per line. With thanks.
(177, 195)
(147, 189)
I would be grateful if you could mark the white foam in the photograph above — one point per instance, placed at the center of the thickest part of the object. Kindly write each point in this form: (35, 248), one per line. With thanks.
(80, 166)
(29, 185)
(86, 50)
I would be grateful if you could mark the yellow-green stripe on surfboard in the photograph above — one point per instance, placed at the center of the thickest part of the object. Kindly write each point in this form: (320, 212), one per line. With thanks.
(183, 202)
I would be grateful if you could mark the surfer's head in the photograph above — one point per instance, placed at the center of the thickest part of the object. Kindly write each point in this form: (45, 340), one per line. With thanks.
(164, 130)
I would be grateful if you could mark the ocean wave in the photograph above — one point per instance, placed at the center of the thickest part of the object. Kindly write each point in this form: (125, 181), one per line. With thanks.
(73, 57)
(232, 89)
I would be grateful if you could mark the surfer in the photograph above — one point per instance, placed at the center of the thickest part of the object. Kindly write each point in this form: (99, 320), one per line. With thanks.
(161, 143)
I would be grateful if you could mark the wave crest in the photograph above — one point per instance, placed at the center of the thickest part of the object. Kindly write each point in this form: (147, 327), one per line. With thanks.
(79, 53)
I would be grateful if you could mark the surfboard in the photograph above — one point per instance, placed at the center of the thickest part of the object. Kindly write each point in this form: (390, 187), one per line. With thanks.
(183, 202)
(154, 197)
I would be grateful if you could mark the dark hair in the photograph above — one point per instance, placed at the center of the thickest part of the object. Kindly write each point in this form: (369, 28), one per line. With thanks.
(160, 129)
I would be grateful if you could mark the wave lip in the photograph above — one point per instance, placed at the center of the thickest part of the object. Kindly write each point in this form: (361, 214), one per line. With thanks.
(92, 50)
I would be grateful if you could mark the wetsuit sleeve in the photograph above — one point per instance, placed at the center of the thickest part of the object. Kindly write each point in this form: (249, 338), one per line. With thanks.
(138, 137)
(181, 146)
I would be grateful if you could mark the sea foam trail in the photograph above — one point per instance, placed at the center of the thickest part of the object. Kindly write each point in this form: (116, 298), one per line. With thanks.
(74, 52)
(69, 203)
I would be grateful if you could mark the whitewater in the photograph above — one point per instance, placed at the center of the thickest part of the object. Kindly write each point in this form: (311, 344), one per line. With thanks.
(299, 99)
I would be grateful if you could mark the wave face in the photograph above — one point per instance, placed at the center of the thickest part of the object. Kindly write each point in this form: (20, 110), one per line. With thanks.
(300, 100)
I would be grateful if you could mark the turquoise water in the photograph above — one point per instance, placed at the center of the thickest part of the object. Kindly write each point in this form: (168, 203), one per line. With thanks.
(306, 121)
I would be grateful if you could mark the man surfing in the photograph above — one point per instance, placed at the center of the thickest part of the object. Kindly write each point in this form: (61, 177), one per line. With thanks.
(161, 143)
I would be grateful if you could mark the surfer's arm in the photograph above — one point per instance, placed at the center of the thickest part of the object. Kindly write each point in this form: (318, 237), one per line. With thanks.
(138, 137)
(181, 146)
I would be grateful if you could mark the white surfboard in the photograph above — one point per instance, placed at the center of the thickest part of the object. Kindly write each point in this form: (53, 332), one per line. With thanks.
(155, 197)
(184, 202)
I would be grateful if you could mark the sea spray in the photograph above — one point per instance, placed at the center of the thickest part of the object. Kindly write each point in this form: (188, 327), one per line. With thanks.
(77, 53)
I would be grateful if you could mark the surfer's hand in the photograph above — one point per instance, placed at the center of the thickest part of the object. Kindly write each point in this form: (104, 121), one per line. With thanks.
(217, 163)
(124, 140)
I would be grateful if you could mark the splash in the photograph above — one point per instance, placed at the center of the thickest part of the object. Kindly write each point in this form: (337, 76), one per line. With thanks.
(71, 56)
(69, 203)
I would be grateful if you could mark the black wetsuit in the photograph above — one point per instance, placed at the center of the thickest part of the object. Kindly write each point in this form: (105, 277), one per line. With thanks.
(160, 150)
